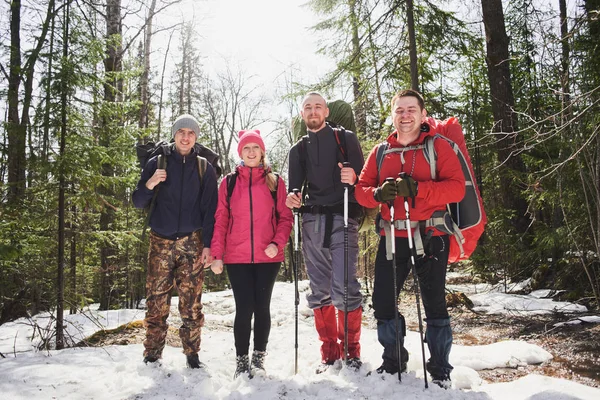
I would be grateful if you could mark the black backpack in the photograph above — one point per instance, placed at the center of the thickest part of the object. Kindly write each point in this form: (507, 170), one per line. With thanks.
(148, 150)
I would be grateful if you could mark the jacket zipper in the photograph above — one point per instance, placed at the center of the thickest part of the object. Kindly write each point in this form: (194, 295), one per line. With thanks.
(180, 197)
(251, 219)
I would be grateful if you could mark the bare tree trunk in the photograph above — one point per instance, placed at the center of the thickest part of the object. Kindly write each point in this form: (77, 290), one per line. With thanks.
(73, 258)
(16, 131)
(162, 87)
(144, 98)
(360, 109)
(46, 136)
(60, 284)
(113, 89)
(412, 45)
(503, 110)
(18, 72)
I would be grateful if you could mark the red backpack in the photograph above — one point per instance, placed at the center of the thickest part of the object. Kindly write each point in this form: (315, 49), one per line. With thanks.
(468, 215)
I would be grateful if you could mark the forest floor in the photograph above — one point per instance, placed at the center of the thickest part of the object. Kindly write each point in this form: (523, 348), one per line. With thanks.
(575, 348)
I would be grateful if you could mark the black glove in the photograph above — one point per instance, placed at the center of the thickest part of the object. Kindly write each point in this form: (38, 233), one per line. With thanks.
(385, 192)
(406, 187)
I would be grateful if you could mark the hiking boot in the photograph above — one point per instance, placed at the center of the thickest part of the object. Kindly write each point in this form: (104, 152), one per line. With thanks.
(193, 361)
(242, 366)
(151, 359)
(324, 366)
(354, 363)
(442, 381)
(258, 360)
(390, 367)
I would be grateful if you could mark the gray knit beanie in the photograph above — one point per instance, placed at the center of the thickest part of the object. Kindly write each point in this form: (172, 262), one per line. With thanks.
(186, 121)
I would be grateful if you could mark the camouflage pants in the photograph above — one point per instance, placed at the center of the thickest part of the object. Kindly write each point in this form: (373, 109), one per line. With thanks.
(174, 262)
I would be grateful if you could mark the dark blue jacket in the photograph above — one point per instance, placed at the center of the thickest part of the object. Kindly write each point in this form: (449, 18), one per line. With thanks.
(183, 205)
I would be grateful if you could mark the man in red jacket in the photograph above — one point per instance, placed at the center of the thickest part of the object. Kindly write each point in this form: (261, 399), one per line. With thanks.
(425, 197)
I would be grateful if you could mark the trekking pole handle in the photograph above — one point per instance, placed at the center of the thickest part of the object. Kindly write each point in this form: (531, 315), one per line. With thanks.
(295, 191)
(296, 222)
(346, 164)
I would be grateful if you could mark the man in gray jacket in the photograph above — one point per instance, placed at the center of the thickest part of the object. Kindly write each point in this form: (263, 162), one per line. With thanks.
(317, 161)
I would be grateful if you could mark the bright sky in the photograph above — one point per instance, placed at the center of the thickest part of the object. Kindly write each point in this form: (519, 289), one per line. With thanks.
(117, 372)
(265, 37)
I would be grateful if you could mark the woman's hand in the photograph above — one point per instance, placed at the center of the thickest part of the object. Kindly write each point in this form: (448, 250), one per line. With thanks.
(271, 250)
(217, 266)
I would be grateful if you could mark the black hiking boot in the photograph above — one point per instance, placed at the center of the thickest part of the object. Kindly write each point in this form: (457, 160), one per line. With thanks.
(390, 367)
(258, 361)
(439, 376)
(242, 366)
(442, 381)
(354, 363)
(325, 365)
(151, 359)
(193, 362)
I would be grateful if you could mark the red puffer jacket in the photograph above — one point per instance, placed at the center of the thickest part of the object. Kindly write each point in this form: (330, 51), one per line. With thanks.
(245, 227)
(449, 187)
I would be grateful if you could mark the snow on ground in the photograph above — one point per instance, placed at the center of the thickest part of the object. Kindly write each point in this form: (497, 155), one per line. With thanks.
(117, 372)
(503, 303)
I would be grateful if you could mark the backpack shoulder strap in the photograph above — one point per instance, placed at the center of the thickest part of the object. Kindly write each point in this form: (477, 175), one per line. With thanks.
(274, 194)
(202, 165)
(231, 178)
(340, 139)
(274, 191)
(430, 154)
(379, 156)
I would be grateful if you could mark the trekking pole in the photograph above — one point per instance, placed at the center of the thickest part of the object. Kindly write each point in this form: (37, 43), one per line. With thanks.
(295, 264)
(395, 274)
(345, 358)
(416, 280)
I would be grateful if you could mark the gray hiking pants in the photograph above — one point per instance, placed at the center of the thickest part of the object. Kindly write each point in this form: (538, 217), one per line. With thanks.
(325, 267)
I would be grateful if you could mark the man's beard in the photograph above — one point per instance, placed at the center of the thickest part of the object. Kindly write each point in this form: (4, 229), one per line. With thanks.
(313, 124)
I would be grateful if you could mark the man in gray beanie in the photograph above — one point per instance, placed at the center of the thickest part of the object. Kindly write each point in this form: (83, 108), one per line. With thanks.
(185, 121)
(181, 231)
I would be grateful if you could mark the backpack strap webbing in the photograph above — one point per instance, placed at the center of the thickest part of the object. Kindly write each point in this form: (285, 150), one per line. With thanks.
(202, 165)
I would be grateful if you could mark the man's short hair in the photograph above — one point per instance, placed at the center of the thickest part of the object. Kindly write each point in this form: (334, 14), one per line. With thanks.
(313, 93)
(409, 93)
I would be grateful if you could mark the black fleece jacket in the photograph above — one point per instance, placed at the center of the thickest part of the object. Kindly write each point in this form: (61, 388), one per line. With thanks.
(322, 173)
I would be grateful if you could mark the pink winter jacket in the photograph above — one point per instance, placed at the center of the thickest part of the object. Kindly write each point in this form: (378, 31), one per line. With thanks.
(245, 227)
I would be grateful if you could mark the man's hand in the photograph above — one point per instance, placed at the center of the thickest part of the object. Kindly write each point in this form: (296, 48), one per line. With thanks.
(406, 187)
(348, 175)
(206, 257)
(160, 175)
(271, 250)
(293, 201)
(385, 192)
(217, 266)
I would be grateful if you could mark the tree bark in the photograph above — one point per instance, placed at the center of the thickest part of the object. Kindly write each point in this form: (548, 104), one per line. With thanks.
(360, 109)
(18, 72)
(113, 89)
(412, 45)
(60, 276)
(16, 131)
(144, 98)
(505, 119)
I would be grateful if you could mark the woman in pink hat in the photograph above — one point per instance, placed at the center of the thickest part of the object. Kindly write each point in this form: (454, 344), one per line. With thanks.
(252, 226)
